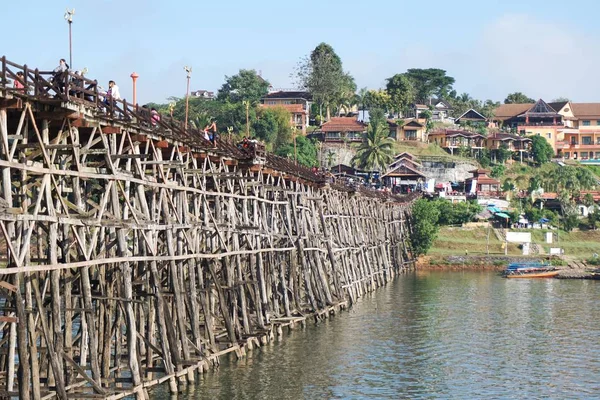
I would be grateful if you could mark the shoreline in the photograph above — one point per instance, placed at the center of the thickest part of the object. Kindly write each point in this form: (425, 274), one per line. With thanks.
(574, 269)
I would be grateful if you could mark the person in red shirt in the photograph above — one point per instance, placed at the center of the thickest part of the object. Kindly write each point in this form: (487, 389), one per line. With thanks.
(17, 84)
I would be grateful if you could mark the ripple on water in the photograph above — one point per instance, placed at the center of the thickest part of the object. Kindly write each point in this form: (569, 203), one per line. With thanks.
(434, 335)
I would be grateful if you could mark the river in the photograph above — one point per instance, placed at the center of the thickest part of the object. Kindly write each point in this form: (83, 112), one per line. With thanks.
(430, 335)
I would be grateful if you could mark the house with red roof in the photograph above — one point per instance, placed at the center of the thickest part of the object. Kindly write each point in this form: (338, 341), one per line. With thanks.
(482, 184)
(296, 102)
(341, 130)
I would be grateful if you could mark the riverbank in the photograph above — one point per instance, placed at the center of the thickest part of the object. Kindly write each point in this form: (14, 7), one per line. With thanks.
(469, 248)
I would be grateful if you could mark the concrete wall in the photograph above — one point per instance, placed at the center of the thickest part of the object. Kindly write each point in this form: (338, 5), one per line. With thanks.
(448, 171)
(343, 154)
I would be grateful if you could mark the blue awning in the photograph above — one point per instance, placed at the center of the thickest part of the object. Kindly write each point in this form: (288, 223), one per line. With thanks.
(544, 220)
(502, 215)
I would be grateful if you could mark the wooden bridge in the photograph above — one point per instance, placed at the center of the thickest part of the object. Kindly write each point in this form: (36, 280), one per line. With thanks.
(134, 252)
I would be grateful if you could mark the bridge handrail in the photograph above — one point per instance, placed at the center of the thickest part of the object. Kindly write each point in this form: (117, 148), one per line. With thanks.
(71, 87)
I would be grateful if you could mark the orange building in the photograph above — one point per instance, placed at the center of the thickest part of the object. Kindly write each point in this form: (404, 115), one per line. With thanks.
(296, 102)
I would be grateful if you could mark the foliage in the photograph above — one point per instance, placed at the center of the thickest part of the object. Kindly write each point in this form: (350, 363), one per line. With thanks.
(541, 149)
(428, 82)
(456, 213)
(560, 100)
(558, 262)
(266, 126)
(378, 99)
(377, 116)
(508, 185)
(247, 85)
(570, 222)
(424, 223)
(284, 127)
(518, 98)
(554, 178)
(533, 214)
(323, 76)
(331, 156)
(498, 171)
(594, 219)
(428, 123)
(377, 149)
(593, 261)
(464, 102)
(503, 153)
(484, 158)
(401, 91)
(305, 149)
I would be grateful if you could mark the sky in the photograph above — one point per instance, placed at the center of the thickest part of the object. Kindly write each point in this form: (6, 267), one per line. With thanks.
(546, 49)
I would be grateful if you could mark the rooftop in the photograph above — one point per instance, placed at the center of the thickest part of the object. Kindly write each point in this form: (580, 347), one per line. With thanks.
(343, 124)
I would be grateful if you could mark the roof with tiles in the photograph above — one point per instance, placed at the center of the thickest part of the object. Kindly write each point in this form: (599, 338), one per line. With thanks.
(343, 124)
(586, 110)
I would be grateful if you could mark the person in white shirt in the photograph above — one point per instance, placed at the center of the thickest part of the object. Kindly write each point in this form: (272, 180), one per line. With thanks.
(112, 93)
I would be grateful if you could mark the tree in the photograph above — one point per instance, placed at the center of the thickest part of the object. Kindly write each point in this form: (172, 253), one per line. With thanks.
(305, 149)
(424, 223)
(498, 171)
(560, 100)
(377, 149)
(541, 149)
(266, 126)
(518, 98)
(401, 91)
(284, 126)
(594, 219)
(428, 82)
(247, 85)
(323, 76)
(428, 123)
(378, 99)
(503, 153)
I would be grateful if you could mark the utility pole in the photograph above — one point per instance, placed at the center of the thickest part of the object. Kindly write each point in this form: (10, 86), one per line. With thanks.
(247, 104)
(295, 151)
(69, 18)
(188, 71)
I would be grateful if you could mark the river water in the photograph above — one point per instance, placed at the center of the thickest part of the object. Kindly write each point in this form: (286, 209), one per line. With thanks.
(432, 335)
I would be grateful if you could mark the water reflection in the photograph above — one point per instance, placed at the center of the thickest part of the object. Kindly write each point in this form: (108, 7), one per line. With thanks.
(433, 335)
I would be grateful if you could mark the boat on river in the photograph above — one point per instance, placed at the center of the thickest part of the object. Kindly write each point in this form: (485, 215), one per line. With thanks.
(530, 270)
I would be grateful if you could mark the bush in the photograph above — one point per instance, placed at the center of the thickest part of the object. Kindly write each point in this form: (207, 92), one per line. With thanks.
(558, 262)
(593, 261)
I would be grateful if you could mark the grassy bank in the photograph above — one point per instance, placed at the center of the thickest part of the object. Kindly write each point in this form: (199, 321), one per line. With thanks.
(454, 241)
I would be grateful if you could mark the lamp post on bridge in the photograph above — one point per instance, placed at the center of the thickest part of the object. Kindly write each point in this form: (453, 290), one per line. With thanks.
(188, 71)
(134, 76)
(69, 18)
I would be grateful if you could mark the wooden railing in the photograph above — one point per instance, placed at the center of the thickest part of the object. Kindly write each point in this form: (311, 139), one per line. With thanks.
(70, 87)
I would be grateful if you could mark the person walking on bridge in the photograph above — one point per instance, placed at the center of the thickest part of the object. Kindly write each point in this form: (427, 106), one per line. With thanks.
(59, 75)
(112, 94)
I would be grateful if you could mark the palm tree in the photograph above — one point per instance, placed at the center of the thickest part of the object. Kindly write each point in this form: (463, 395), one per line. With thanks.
(377, 149)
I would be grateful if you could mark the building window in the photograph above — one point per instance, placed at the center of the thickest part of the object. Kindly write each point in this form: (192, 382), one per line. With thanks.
(597, 155)
(567, 154)
(586, 140)
(287, 102)
(598, 122)
(584, 155)
(549, 135)
(271, 102)
(586, 122)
